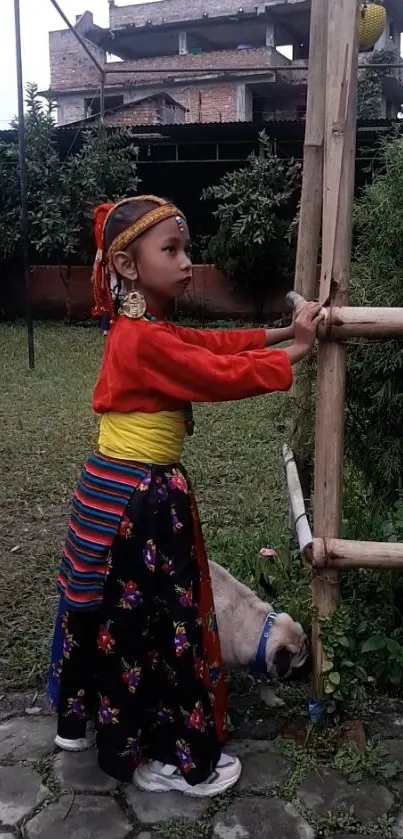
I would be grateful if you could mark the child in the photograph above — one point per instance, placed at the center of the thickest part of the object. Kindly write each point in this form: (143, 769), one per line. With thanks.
(136, 645)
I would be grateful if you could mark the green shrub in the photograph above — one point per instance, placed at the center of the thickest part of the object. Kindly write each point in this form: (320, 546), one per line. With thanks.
(255, 210)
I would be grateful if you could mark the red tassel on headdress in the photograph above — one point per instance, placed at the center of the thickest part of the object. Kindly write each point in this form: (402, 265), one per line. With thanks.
(103, 303)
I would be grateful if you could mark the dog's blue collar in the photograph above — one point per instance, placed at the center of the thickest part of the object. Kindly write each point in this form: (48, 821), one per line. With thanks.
(259, 666)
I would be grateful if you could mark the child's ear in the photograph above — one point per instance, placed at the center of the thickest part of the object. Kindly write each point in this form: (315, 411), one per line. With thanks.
(125, 266)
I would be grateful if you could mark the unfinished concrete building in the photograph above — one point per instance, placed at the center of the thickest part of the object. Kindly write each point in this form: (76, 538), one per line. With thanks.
(227, 52)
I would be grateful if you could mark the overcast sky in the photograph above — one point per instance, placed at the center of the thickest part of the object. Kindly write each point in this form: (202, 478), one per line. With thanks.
(38, 18)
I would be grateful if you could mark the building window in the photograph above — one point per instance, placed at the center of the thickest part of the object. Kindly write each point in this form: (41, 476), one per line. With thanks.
(92, 107)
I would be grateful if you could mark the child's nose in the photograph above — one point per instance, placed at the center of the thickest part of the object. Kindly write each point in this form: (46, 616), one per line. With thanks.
(186, 262)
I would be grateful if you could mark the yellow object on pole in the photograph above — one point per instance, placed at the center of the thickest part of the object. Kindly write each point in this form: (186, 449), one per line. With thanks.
(372, 23)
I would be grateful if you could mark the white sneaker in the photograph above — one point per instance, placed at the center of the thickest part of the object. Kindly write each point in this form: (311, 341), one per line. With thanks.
(80, 745)
(162, 777)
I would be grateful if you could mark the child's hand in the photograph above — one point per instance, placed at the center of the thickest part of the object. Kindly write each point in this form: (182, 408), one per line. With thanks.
(306, 323)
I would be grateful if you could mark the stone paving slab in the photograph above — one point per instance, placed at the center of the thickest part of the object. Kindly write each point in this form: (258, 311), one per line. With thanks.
(387, 720)
(157, 807)
(253, 818)
(80, 817)
(87, 807)
(325, 790)
(21, 791)
(354, 836)
(263, 768)
(29, 738)
(394, 749)
(398, 826)
(80, 772)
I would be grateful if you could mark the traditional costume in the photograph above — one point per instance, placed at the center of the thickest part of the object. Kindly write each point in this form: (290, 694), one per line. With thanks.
(136, 645)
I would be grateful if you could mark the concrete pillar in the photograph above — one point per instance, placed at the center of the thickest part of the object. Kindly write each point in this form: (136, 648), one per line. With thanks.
(243, 103)
(183, 43)
(270, 35)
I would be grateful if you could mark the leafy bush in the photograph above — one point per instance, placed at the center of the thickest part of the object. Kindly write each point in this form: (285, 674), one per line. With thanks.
(255, 211)
(374, 434)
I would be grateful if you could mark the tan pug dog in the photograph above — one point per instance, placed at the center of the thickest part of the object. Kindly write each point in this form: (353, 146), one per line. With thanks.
(241, 620)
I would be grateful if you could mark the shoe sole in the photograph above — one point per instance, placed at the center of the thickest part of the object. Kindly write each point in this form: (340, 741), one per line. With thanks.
(149, 785)
(73, 745)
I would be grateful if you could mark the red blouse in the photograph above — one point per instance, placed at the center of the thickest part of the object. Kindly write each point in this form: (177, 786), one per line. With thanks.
(152, 366)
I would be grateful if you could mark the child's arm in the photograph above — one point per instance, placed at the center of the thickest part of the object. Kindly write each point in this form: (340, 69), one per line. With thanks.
(189, 373)
(279, 335)
(232, 341)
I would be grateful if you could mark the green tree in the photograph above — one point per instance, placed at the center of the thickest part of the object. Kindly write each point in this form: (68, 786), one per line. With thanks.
(375, 370)
(255, 211)
(62, 193)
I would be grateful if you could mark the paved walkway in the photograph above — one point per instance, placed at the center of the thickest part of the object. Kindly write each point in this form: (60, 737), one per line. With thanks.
(46, 794)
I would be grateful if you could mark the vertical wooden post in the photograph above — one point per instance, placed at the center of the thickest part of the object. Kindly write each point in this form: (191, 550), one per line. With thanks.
(309, 226)
(340, 138)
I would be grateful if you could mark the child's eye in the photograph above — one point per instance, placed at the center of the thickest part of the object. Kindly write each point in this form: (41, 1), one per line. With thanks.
(170, 248)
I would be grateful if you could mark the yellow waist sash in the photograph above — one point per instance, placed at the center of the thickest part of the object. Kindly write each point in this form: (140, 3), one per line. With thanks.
(149, 438)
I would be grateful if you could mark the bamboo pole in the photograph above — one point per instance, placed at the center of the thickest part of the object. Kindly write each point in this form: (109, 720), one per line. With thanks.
(309, 224)
(312, 172)
(342, 553)
(341, 83)
(297, 505)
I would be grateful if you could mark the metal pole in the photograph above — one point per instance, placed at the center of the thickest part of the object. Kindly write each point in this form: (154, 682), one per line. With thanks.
(24, 191)
(102, 103)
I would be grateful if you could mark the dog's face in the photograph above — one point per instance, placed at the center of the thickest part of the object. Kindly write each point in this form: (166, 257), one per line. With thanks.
(286, 648)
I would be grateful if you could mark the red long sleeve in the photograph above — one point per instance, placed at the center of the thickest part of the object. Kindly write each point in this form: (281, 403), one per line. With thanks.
(195, 374)
(221, 341)
(147, 367)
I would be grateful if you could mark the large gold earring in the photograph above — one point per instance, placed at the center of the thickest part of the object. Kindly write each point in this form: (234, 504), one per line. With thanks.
(133, 305)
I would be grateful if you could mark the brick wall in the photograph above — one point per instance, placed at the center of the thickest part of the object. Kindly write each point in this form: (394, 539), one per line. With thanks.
(210, 290)
(217, 103)
(148, 112)
(178, 10)
(145, 113)
(207, 61)
(70, 109)
(70, 67)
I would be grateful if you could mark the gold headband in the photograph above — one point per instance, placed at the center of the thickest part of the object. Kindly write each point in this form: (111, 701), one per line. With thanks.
(145, 222)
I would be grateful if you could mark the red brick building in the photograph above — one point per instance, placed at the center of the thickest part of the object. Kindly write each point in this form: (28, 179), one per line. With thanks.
(216, 44)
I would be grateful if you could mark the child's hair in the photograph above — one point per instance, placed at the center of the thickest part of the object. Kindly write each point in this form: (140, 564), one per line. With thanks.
(117, 226)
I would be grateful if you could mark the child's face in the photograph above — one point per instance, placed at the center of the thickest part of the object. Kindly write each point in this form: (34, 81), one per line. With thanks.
(159, 263)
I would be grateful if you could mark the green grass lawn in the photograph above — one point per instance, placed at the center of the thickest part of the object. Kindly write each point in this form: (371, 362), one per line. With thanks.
(48, 429)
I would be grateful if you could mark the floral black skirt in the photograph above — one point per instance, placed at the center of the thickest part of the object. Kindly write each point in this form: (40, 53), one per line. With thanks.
(146, 665)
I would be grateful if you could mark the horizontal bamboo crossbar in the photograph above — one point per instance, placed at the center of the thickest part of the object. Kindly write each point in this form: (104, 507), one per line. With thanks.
(328, 552)
(342, 322)
(343, 553)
